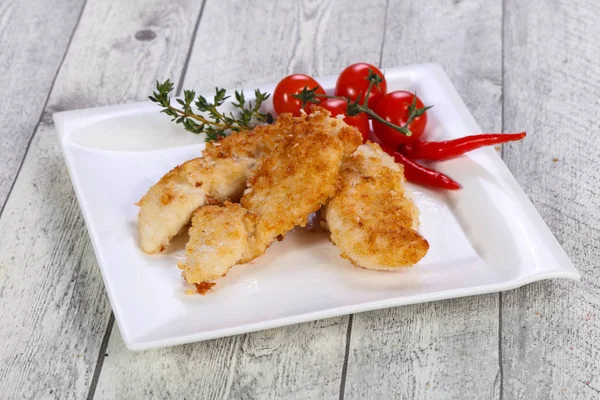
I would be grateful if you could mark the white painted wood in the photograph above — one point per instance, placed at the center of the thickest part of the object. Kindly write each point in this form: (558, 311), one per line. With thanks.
(442, 350)
(297, 362)
(312, 37)
(53, 307)
(551, 330)
(301, 362)
(32, 45)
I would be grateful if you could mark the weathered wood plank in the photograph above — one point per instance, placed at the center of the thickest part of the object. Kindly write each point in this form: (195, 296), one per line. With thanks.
(32, 46)
(445, 349)
(54, 309)
(551, 330)
(317, 38)
(301, 361)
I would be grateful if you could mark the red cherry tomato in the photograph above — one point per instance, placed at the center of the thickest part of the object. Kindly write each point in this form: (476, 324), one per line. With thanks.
(352, 82)
(360, 121)
(393, 107)
(283, 99)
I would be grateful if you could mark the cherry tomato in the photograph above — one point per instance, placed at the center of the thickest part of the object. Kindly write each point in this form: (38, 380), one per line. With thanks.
(360, 121)
(393, 107)
(352, 82)
(283, 99)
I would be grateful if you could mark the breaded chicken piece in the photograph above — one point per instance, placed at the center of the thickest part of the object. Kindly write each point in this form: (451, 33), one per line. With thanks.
(289, 184)
(168, 205)
(371, 218)
(295, 180)
(218, 236)
(219, 175)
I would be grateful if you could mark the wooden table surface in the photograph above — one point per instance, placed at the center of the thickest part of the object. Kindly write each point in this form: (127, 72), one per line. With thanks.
(519, 65)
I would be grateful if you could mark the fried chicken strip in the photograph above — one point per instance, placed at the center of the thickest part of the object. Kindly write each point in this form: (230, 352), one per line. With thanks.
(219, 175)
(290, 183)
(218, 237)
(371, 218)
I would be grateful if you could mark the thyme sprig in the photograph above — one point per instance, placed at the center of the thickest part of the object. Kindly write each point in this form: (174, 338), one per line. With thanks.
(209, 119)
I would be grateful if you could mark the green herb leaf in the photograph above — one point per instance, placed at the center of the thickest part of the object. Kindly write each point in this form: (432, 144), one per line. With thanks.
(208, 119)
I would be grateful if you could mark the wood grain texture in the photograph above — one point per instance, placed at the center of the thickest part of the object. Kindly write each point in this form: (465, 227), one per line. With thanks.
(302, 362)
(296, 362)
(53, 306)
(32, 46)
(312, 37)
(442, 350)
(551, 330)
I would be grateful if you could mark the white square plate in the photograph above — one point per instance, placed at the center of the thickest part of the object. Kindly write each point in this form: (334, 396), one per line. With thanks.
(484, 238)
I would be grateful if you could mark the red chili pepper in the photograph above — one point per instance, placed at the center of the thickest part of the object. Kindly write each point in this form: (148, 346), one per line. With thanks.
(417, 173)
(437, 151)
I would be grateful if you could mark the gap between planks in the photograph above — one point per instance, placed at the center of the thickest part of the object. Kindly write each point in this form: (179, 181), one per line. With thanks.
(502, 128)
(346, 355)
(101, 356)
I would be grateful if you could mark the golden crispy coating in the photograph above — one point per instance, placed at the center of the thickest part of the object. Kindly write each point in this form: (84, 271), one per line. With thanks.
(295, 180)
(291, 182)
(169, 204)
(218, 238)
(218, 176)
(371, 218)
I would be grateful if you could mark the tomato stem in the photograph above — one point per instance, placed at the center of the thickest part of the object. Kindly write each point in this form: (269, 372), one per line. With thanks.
(366, 102)
(414, 112)
(401, 129)
(374, 80)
